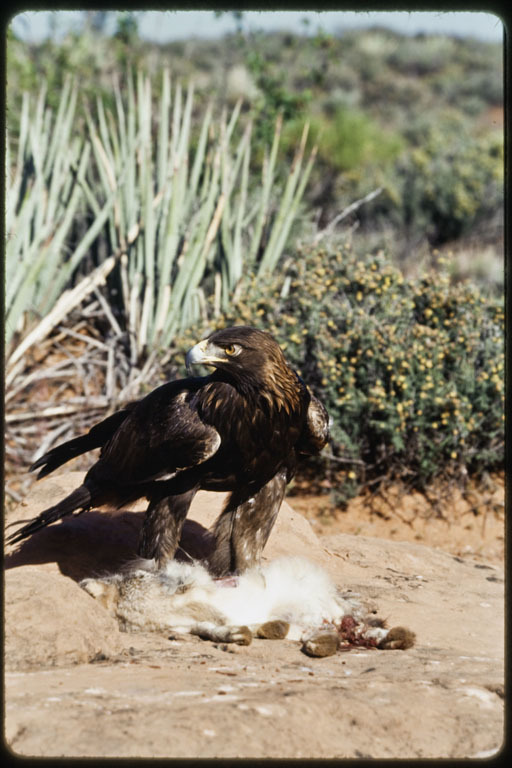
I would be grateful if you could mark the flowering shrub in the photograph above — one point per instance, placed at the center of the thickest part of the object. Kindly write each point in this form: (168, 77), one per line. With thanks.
(411, 370)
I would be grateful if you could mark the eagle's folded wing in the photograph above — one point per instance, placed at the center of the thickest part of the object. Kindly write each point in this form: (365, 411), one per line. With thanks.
(161, 436)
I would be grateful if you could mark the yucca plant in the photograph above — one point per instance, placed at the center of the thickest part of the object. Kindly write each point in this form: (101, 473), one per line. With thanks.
(202, 213)
(44, 196)
(174, 201)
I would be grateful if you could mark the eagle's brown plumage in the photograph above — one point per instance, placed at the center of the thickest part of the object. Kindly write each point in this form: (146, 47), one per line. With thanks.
(238, 430)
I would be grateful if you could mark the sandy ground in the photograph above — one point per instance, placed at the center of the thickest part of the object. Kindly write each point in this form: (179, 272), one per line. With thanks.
(469, 524)
(76, 686)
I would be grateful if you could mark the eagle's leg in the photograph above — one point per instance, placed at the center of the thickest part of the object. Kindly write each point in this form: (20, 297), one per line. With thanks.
(244, 526)
(161, 530)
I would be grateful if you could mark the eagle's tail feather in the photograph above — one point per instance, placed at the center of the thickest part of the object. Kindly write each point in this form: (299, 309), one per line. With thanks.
(95, 438)
(79, 499)
(61, 454)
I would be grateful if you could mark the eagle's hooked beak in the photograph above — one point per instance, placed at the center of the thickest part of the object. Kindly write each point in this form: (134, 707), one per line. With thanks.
(200, 354)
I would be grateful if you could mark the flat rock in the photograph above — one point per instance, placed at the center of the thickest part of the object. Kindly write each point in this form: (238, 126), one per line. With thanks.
(78, 687)
(50, 621)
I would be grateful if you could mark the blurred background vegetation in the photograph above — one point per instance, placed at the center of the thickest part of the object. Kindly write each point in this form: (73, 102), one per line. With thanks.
(344, 192)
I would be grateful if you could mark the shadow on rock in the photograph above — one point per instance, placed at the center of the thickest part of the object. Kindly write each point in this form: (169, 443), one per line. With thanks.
(95, 543)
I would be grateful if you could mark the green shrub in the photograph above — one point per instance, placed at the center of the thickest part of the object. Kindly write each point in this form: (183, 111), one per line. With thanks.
(451, 183)
(274, 96)
(422, 55)
(350, 141)
(411, 371)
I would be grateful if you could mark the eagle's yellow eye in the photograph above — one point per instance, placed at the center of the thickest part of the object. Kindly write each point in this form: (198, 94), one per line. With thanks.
(230, 349)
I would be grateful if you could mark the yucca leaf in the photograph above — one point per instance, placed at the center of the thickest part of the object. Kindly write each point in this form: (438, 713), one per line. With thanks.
(272, 253)
(267, 181)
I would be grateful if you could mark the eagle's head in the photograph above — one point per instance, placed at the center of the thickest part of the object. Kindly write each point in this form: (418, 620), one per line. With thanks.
(251, 358)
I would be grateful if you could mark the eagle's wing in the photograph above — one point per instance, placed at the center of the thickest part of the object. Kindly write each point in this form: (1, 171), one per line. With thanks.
(316, 429)
(150, 440)
(162, 435)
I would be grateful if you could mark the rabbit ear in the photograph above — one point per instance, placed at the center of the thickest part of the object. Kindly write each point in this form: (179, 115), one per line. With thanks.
(107, 593)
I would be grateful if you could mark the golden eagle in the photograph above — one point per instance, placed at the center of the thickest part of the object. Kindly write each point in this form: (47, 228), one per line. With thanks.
(240, 429)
